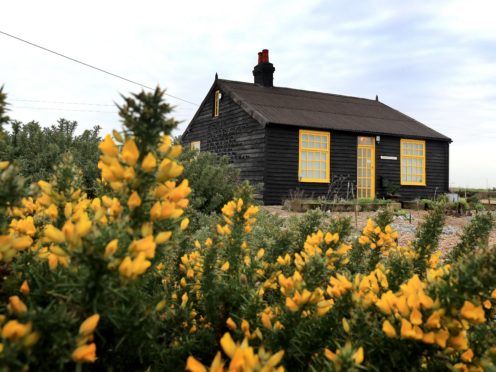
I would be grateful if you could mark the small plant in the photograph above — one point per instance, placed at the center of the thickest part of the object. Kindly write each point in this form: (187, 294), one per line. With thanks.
(427, 236)
(384, 217)
(475, 235)
(295, 201)
(392, 189)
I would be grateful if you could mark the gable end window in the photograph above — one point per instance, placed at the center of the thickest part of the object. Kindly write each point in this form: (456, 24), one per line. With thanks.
(216, 103)
(412, 162)
(314, 156)
(195, 145)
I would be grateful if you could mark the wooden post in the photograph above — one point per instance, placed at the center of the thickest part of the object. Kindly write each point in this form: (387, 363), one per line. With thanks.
(356, 214)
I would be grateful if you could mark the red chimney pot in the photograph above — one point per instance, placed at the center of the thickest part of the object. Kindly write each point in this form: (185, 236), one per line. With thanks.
(259, 57)
(265, 55)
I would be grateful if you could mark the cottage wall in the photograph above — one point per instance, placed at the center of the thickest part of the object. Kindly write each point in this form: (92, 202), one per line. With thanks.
(281, 171)
(436, 169)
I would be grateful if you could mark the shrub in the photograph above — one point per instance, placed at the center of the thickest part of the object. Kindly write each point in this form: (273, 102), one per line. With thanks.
(213, 180)
(38, 149)
(475, 235)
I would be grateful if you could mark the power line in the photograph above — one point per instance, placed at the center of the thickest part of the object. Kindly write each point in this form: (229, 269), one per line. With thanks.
(61, 102)
(175, 109)
(62, 109)
(67, 109)
(91, 66)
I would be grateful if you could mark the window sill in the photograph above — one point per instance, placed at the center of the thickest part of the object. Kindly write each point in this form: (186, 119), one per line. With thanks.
(412, 184)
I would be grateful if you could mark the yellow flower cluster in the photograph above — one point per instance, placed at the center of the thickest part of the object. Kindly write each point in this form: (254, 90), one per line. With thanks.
(86, 348)
(298, 297)
(423, 319)
(232, 212)
(318, 244)
(20, 237)
(345, 356)
(14, 331)
(119, 169)
(368, 287)
(242, 358)
(377, 238)
(192, 265)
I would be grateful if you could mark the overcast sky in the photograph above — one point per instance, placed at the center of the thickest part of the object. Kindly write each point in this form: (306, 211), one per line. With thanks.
(435, 62)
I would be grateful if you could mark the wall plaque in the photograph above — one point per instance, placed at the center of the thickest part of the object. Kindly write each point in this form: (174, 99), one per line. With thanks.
(383, 157)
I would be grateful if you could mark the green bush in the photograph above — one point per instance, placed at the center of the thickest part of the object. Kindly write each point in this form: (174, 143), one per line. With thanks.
(37, 150)
(212, 178)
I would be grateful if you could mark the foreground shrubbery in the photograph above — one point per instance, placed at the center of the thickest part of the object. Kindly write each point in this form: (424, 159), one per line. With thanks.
(121, 281)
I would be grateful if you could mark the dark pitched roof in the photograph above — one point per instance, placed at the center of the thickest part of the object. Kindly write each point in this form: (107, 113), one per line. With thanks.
(274, 105)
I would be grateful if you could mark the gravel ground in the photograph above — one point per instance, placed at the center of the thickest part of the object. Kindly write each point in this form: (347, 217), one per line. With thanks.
(450, 236)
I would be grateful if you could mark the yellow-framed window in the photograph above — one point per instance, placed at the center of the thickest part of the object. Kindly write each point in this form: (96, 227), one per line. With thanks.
(413, 162)
(195, 145)
(216, 103)
(314, 156)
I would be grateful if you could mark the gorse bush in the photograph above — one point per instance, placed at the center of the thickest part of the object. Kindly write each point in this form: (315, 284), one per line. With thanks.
(36, 150)
(121, 282)
(213, 180)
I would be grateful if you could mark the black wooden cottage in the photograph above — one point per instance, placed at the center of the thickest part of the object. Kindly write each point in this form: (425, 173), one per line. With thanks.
(320, 143)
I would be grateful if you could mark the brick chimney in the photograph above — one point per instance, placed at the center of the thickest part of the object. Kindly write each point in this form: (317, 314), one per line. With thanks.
(264, 71)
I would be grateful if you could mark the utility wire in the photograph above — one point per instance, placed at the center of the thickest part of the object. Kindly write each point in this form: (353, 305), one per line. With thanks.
(67, 109)
(62, 109)
(91, 66)
(175, 109)
(62, 103)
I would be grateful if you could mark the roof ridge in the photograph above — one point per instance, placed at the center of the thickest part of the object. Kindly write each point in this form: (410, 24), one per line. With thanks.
(300, 90)
(279, 105)
(340, 113)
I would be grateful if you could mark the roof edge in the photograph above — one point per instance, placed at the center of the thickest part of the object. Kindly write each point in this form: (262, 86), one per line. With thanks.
(199, 107)
(249, 109)
(442, 139)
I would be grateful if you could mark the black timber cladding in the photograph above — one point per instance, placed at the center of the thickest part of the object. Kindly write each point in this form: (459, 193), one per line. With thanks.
(281, 173)
(233, 133)
(436, 169)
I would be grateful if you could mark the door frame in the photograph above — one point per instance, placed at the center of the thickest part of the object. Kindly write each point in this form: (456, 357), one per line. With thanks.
(372, 163)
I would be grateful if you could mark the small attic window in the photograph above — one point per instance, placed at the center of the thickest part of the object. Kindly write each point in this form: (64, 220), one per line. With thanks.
(195, 145)
(216, 103)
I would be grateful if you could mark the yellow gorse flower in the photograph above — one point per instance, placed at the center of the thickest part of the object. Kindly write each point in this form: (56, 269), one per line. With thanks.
(472, 312)
(130, 153)
(24, 288)
(16, 305)
(89, 325)
(149, 163)
(14, 330)
(85, 353)
(108, 146)
(134, 200)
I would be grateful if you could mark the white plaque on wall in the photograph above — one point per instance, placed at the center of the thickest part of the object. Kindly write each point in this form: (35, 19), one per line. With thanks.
(383, 157)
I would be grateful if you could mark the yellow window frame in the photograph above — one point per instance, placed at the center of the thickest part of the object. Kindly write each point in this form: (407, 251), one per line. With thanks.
(413, 158)
(362, 167)
(195, 145)
(216, 103)
(318, 155)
